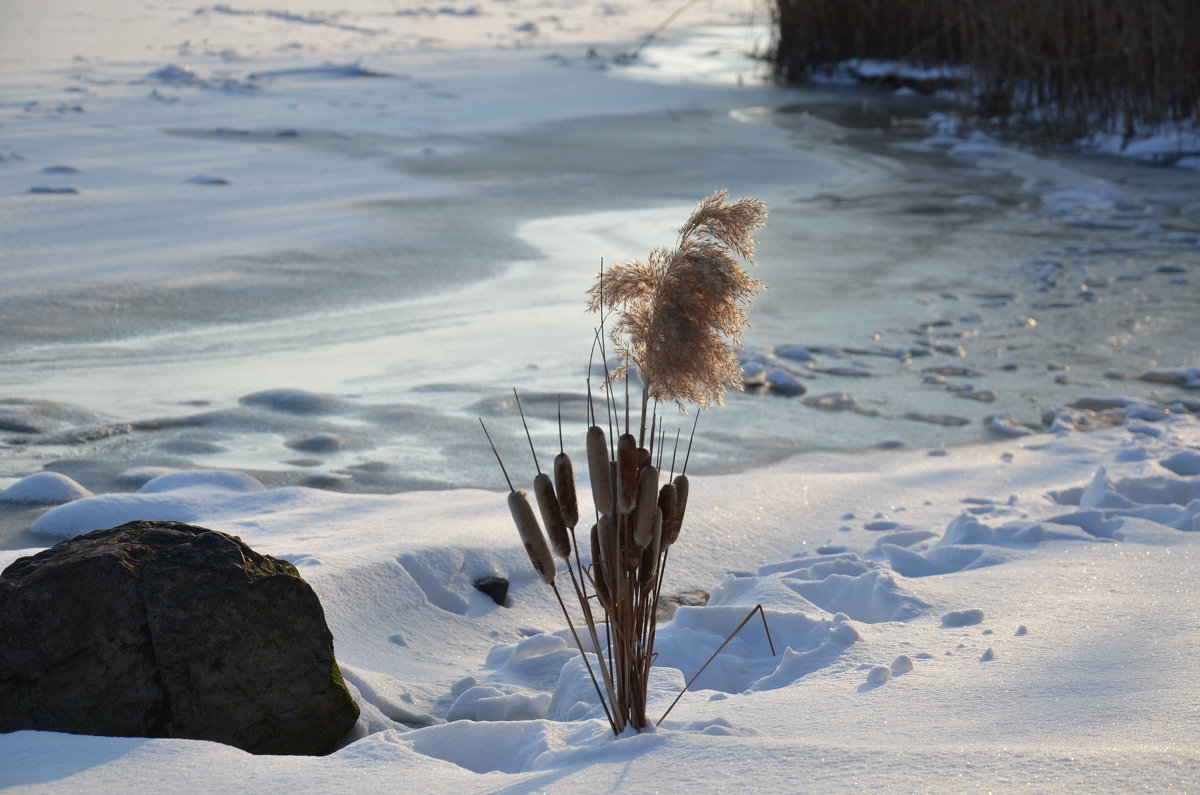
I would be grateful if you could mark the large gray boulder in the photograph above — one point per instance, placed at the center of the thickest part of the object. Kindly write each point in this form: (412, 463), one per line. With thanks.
(161, 629)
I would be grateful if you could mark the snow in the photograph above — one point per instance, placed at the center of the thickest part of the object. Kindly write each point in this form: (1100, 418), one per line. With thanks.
(44, 488)
(1067, 570)
(1165, 145)
(978, 594)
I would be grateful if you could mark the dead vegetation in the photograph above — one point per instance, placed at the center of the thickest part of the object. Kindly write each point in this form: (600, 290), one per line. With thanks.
(1061, 69)
(672, 320)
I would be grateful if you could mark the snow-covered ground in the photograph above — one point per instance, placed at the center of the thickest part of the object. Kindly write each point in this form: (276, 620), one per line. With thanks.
(263, 265)
(1002, 616)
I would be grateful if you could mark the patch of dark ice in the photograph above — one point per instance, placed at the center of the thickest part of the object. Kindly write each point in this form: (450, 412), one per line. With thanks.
(293, 401)
(953, 370)
(797, 352)
(348, 70)
(201, 179)
(318, 443)
(316, 18)
(936, 419)
(839, 401)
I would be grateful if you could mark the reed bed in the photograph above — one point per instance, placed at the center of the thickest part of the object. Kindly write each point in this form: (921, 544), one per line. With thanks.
(673, 318)
(1061, 69)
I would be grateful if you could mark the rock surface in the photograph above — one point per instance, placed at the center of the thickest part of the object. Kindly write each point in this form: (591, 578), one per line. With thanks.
(162, 629)
(495, 587)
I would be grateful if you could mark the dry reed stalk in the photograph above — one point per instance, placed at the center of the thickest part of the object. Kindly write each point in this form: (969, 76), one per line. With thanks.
(1061, 69)
(676, 319)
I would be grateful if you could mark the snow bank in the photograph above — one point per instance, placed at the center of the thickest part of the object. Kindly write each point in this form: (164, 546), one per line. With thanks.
(44, 488)
(885, 625)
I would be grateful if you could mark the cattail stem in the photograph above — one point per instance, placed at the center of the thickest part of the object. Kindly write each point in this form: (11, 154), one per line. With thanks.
(497, 454)
(607, 712)
(642, 431)
(691, 438)
(527, 436)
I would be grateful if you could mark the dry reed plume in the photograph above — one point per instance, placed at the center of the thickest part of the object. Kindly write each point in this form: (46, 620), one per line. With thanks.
(676, 317)
(681, 309)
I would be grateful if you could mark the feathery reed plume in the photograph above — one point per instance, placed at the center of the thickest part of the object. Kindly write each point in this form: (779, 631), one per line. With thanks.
(676, 317)
(681, 310)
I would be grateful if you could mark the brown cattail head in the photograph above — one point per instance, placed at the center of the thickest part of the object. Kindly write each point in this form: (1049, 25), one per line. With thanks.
(666, 506)
(671, 534)
(599, 567)
(610, 548)
(648, 569)
(599, 471)
(647, 506)
(682, 310)
(552, 516)
(531, 535)
(627, 472)
(564, 490)
(631, 553)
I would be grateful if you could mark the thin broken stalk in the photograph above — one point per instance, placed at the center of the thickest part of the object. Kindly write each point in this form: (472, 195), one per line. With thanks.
(756, 609)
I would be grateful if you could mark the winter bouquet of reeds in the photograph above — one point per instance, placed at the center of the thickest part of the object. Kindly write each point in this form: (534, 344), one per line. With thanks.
(675, 318)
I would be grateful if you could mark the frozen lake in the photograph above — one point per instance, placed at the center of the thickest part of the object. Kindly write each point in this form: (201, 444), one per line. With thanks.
(322, 273)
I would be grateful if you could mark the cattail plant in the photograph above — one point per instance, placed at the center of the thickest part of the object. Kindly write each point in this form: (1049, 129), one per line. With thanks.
(677, 316)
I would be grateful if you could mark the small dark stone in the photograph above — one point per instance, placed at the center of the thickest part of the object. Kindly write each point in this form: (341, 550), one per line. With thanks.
(495, 587)
(669, 603)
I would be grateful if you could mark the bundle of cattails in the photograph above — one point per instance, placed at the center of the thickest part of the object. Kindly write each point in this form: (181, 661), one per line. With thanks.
(677, 316)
